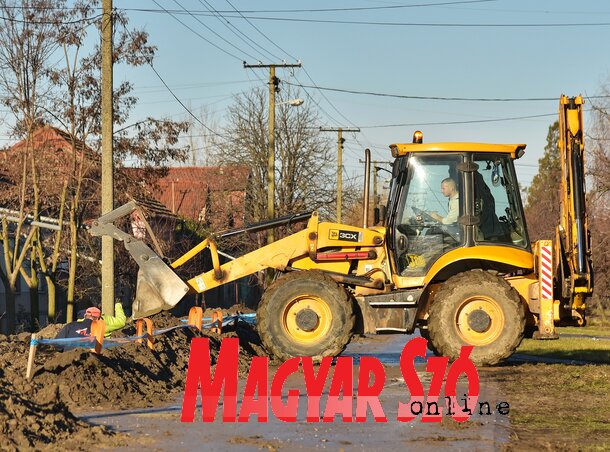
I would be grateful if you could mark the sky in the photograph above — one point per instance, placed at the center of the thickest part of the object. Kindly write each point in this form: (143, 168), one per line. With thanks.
(525, 52)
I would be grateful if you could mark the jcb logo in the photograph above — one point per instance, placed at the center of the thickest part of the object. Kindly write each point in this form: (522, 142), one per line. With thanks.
(333, 234)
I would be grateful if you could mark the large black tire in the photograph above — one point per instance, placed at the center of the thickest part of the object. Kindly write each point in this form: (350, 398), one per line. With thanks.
(480, 309)
(288, 328)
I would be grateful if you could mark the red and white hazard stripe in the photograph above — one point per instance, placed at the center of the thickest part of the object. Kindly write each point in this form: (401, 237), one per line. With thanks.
(546, 272)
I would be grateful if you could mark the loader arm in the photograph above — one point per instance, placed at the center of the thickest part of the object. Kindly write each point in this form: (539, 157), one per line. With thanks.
(572, 244)
(160, 288)
(297, 251)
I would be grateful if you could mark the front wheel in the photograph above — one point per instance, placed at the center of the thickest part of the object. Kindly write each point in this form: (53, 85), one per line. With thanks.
(305, 313)
(480, 309)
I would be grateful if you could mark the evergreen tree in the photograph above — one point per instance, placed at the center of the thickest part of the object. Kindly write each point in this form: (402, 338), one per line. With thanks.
(542, 208)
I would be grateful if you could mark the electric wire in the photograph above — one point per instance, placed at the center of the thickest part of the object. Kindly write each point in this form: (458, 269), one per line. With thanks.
(212, 30)
(472, 121)
(461, 99)
(291, 56)
(42, 22)
(182, 104)
(433, 24)
(365, 8)
(235, 30)
(198, 34)
(360, 8)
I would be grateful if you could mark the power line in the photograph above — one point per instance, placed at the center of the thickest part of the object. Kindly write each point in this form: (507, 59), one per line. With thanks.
(433, 25)
(408, 24)
(353, 8)
(473, 121)
(304, 69)
(368, 8)
(233, 29)
(182, 104)
(461, 99)
(198, 34)
(212, 30)
(44, 22)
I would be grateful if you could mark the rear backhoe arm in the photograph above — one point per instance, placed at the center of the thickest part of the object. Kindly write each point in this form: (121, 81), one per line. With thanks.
(572, 244)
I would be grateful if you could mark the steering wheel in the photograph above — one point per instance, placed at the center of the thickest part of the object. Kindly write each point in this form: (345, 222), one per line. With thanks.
(425, 215)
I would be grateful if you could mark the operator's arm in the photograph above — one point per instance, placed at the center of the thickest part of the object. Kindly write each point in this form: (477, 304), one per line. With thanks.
(436, 216)
(117, 321)
(454, 212)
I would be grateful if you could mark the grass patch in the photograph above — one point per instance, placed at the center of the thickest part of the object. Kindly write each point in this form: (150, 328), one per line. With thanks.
(577, 348)
(557, 406)
(587, 330)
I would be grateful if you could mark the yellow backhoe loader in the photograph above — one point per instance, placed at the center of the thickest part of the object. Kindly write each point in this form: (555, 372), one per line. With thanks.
(451, 257)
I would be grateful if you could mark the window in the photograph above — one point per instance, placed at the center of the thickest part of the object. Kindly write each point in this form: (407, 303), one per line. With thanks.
(427, 213)
(497, 202)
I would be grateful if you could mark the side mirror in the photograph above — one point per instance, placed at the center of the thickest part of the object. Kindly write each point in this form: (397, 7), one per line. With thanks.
(379, 215)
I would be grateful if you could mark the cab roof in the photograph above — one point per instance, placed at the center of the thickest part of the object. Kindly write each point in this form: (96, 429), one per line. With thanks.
(515, 150)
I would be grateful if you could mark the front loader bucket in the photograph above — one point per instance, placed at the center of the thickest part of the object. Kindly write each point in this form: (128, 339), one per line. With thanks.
(158, 288)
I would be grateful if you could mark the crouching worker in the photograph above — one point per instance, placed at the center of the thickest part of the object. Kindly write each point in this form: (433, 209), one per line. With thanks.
(82, 327)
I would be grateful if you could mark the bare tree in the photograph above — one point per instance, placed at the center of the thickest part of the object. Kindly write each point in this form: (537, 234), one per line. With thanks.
(77, 102)
(599, 202)
(305, 159)
(66, 91)
(28, 31)
(202, 140)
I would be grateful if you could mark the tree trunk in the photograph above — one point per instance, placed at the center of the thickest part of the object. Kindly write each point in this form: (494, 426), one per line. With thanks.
(72, 271)
(51, 294)
(34, 302)
(9, 293)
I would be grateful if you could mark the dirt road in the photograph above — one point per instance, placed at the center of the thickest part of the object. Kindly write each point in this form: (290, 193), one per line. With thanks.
(161, 429)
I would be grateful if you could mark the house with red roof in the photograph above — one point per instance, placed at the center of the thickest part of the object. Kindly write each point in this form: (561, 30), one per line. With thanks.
(212, 196)
(57, 157)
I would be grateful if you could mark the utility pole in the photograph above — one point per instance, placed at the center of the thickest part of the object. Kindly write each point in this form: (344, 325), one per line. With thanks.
(274, 87)
(107, 158)
(340, 141)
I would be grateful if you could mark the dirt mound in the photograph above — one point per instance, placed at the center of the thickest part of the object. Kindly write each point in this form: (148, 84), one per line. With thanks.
(26, 424)
(50, 331)
(235, 309)
(128, 376)
(37, 413)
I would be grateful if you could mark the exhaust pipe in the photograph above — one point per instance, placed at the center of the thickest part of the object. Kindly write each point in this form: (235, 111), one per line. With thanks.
(367, 180)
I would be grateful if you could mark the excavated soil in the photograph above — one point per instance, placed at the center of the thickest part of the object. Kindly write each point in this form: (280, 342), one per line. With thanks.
(26, 424)
(126, 377)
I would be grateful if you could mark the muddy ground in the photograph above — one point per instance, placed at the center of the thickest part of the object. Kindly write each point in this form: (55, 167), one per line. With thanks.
(553, 406)
(40, 412)
(556, 406)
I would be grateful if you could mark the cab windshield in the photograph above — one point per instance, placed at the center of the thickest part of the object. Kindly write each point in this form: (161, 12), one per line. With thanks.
(444, 201)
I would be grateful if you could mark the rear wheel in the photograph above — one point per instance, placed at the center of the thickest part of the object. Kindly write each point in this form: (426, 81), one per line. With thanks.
(480, 309)
(305, 314)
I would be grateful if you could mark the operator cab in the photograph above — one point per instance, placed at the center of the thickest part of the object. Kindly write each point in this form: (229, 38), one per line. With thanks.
(445, 196)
